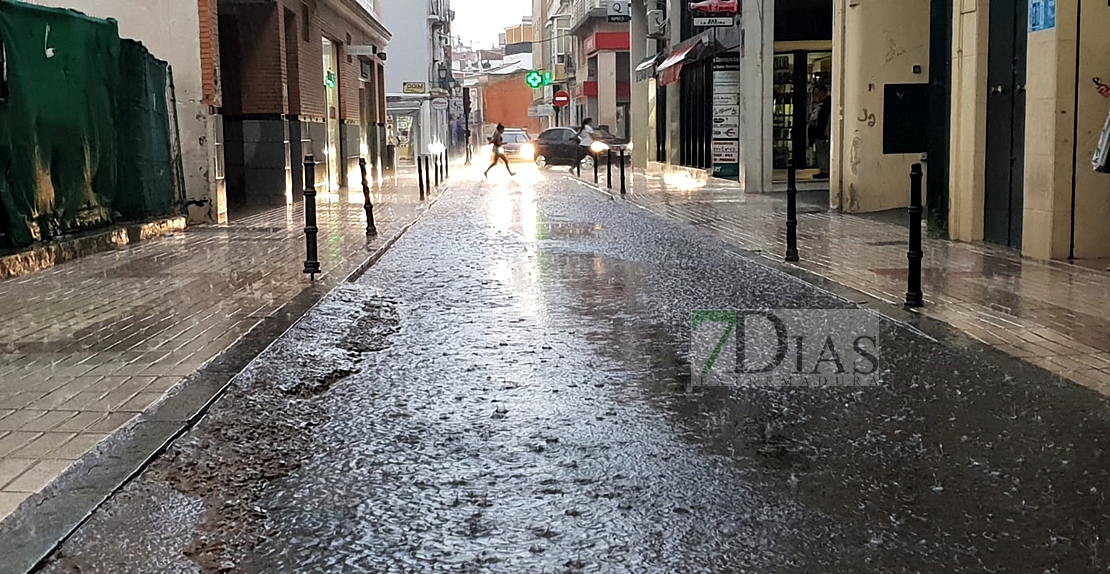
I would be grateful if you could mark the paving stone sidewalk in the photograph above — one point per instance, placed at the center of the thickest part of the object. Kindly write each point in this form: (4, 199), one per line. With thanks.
(88, 345)
(1052, 314)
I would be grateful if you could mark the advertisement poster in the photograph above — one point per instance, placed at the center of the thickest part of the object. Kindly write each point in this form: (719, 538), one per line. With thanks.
(726, 116)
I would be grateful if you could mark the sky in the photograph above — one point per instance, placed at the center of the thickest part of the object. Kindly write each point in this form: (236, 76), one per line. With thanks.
(480, 21)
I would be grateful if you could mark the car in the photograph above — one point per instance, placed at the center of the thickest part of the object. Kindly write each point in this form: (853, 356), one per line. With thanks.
(518, 146)
(562, 146)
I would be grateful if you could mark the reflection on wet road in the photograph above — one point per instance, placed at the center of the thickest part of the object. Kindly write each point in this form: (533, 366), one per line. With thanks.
(506, 391)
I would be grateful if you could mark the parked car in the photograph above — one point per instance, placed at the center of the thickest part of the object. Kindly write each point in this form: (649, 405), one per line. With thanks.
(562, 146)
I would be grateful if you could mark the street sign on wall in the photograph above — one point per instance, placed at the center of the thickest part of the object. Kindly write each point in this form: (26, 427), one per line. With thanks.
(541, 111)
(414, 87)
(440, 104)
(561, 99)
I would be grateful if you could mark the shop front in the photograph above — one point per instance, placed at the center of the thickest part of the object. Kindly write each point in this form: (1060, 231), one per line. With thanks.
(797, 74)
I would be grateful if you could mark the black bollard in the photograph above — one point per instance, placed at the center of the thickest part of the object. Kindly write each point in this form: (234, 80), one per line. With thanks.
(609, 168)
(594, 155)
(578, 167)
(791, 212)
(420, 175)
(368, 202)
(624, 182)
(428, 175)
(914, 296)
(446, 166)
(435, 165)
(312, 258)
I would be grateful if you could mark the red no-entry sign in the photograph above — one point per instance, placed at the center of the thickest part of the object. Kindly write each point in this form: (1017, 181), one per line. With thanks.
(561, 99)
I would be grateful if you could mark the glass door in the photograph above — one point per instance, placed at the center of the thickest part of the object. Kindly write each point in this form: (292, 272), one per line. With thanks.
(782, 130)
(331, 86)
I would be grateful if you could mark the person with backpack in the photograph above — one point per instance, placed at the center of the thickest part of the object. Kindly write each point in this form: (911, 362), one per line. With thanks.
(498, 140)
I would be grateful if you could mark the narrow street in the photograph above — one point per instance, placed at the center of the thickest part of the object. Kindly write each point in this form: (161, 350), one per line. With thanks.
(508, 390)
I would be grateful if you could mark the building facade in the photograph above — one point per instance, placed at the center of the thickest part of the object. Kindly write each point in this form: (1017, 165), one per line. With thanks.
(300, 79)
(420, 74)
(600, 86)
(186, 35)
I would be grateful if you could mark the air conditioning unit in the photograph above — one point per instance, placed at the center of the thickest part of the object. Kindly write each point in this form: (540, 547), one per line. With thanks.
(656, 25)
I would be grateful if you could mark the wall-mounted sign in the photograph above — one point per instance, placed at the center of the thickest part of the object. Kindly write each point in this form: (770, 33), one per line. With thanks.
(329, 79)
(414, 87)
(726, 115)
(618, 11)
(1042, 15)
(541, 111)
(715, 22)
(440, 104)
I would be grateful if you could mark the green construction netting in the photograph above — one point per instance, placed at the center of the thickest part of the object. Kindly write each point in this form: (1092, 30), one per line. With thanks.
(84, 127)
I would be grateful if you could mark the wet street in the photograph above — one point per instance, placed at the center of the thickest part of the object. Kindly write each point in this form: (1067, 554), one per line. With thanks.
(508, 390)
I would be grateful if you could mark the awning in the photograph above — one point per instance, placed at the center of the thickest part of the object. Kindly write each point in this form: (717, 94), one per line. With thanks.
(671, 68)
(646, 68)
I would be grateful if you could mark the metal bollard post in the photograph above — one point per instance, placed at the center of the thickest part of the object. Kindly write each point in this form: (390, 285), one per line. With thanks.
(578, 166)
(312, 258)
(791, 212)
(420, 175)
(609, 168)
(594, 155)
(624, 183)
(368, 202)
(435, 165)
(427, 178)
(446, 166)
(914, 296)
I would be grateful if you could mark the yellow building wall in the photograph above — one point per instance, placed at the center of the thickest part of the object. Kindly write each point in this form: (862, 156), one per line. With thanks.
(1092, 190)
(879, 42)
(1049, 131)
(969, 119)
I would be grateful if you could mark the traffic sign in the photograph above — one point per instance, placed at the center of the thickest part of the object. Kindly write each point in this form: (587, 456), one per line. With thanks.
(561, 99)
(618, 11)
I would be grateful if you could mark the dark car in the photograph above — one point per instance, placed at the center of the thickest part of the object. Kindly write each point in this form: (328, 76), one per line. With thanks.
(561, 146)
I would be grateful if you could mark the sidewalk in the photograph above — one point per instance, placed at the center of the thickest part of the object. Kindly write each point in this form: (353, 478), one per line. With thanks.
(1052, 314)
(87, 346)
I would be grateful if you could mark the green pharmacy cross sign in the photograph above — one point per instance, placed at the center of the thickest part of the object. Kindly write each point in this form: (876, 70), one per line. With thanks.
(536, 78)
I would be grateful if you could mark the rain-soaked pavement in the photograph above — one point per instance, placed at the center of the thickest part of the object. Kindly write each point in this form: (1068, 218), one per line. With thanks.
(505, 391)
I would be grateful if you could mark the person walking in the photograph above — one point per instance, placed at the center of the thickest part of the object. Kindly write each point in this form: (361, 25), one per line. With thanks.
(585, 138)
(498, 140)
(820, 135)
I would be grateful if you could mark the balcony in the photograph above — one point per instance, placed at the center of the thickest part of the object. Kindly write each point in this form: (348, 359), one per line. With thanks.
(583, 10)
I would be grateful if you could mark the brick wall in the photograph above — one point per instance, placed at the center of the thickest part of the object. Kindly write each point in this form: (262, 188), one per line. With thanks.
(261, 52)
(506, 101)
(208, 13)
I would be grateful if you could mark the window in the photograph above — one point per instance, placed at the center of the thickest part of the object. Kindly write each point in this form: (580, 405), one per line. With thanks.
(306, 23)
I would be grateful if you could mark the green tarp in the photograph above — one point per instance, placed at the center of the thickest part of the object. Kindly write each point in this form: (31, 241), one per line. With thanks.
(84, 128)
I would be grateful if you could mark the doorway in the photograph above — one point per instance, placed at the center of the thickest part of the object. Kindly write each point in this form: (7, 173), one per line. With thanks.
(1005, 151)
(331, 85)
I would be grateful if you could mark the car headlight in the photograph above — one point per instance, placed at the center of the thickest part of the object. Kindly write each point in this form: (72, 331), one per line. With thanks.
(599, 147)
(528, 150)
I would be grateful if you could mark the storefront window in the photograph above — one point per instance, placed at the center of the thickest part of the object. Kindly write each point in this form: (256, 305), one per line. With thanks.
(3, 71)
(797, 75)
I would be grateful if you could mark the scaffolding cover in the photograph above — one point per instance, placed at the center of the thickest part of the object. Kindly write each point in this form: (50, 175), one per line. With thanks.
(84, 126)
